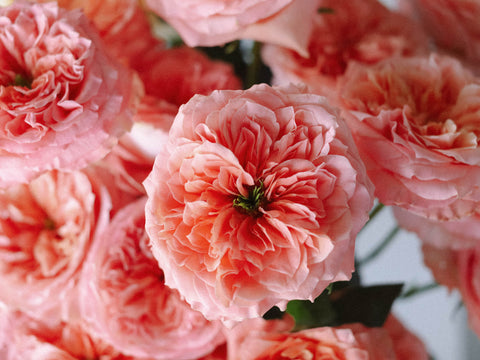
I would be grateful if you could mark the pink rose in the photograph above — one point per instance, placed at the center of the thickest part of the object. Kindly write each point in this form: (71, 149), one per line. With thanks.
(407, 345)
(122, 24)
(129, 163)
(27, 338)
(172, 76)
(124, 299)
(442, 261)
(175, 75)
(352, 342)
(216, 22)
(63, 102)
(361, 31)
(455, 234)
(416, 125)
(259, 339)
(453, 24)
(256, 201)
(468, 267)
(46, 228)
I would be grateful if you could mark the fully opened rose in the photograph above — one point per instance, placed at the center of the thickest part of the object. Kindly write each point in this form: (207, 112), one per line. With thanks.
(415, 121)
(256, 200)
(63, 102)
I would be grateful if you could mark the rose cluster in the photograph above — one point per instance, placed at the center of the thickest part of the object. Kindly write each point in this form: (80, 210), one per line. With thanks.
(154, 205)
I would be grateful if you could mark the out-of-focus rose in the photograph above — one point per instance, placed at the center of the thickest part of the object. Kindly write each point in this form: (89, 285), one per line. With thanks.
(124, 299)
(259, 339)
(216, 22)
(468, 267)
(130, 162)
(28, 338)
(346, 31)
(63, 102)
(453, 24)
(256, 201)
(458, 269)
(455, 234)
(122, 25)
(407, 345)
(46, 228)
(354, 342)
(442, 261)
(415, 121)
(174, 76)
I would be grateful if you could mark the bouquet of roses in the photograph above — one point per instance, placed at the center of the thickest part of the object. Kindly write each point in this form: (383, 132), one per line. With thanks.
(186, 179)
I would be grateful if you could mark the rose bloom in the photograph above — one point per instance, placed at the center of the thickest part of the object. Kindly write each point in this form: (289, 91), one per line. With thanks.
(416, 126)
(172, 76)
(216, 22)
(348, 342)
(468, 270)
(361, 31)
(458, 269)
(46, 228)
(453, 24)
(27, 338)
(256, 200)
(124, 299)
(63, 102)
(454, 234)
(122, 24)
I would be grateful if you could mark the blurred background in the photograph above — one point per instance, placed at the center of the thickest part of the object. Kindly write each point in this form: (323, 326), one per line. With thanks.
(436, 315)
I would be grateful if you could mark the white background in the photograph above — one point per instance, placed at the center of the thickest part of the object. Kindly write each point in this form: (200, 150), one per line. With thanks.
(436, 316)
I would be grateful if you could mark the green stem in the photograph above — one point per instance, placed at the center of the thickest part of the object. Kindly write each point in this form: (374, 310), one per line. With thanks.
(375, 252)
(376, 210)
(416, 290)
(254, 67)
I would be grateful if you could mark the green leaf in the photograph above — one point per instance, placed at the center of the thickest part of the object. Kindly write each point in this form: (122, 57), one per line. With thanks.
(309, 315)
(367, 305)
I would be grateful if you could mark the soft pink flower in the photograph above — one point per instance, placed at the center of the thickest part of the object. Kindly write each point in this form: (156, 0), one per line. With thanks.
(63, 102)
(352, 342)
(124, 299)
(442, 261)
(361, 31)
(407, 345)
(257, 200)
(175, 75)
(46, 228)
(468, 267)
(259, 339)
(122, 24)
(129, 163)
(28, 338)
(216, 22)
(455, 234)
(453, 24)
(415, 121)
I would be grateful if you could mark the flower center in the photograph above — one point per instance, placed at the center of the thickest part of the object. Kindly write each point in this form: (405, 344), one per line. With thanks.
(250, 204)
(49, 224)
(21, 80)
